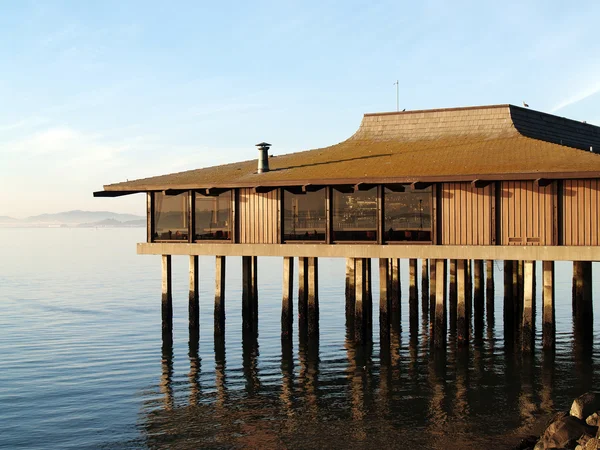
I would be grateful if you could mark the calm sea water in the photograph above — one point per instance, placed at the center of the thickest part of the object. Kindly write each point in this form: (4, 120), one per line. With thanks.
(82, 364)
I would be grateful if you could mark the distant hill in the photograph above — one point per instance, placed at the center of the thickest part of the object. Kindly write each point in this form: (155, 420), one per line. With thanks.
(78, 216)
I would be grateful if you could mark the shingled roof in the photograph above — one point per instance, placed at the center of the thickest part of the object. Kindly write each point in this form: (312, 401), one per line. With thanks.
(496, 142)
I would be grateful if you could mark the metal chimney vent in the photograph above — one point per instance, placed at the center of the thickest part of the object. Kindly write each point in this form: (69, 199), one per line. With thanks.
(263, 157)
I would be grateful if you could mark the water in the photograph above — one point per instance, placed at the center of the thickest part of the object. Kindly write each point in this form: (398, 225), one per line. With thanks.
(82, 364)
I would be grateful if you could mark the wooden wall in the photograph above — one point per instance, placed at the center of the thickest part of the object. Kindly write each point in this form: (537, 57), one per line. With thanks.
(259, 217)
(581, 206)
(528, 213)
(467, 215)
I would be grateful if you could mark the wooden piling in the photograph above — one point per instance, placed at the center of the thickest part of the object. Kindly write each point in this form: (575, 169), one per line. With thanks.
(167, 298)
(287, 302)
(548, 309)
(462, 324)
(360, 327)
(302, 295)
(413, 297)
(469, 289)
(313, 297)
(395, 288)
(254, 282)
(350, 290)
(384, 302)
(582, 300)
(425, 288)
(440, 304)
(528, 331)
(193, 301)
(219, 296)
(452, 296)
(478, 297)
(489, 292)
(368, 302)
(508, 294)
(432, 290)
(247, 294)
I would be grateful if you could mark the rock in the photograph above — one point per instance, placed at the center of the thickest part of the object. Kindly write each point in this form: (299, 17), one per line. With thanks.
(539, 445)
(593, 420)
(565, 431)
(592, 444)
(527, 443)
(585, 405)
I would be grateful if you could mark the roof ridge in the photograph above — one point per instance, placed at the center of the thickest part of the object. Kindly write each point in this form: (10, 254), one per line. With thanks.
(456, 108)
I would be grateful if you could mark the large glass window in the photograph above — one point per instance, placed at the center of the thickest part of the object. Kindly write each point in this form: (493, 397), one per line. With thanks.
(304, 216)
(213, 217)
(170, 217)
(355, 215)
(408, 215)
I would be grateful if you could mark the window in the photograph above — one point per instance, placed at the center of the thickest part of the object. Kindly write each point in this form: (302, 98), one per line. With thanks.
(304, 216)
(170, 217)
(213, 217)
(355, 215)
(408, 215)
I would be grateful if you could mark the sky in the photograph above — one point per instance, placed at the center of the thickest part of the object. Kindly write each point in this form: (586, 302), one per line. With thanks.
(93, 93)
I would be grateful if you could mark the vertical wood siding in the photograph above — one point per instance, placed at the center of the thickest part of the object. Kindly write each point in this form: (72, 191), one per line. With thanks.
(581, 206)
(528, 215)
(467, 214)
(259, 217)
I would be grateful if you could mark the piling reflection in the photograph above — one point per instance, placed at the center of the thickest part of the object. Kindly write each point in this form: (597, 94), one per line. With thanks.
(166, 378)
(407, 393)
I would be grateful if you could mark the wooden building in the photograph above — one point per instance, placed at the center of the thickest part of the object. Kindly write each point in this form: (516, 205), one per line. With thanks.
(479, 183)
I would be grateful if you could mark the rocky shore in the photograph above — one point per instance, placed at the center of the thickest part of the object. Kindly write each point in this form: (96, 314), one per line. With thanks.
(576, 429)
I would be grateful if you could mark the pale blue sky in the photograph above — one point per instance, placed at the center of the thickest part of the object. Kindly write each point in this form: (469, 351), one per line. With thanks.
(99, 92)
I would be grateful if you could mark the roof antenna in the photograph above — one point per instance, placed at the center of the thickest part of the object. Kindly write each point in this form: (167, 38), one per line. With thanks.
(397, 96)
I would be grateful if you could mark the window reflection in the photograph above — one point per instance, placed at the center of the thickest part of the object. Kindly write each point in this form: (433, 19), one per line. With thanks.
(355, 215)
(304, 216)
(213, 217)
(408, 215)
(170, 217)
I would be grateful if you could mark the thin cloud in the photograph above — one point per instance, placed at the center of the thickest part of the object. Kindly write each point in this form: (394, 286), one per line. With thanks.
(589, 91)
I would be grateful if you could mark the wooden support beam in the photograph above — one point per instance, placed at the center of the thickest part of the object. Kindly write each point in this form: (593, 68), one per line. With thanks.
(313, 297)
(193, 301)
(212, 191)
(543, 182)
(174, 191)
(264, 189)
(167, 298)
(582, 300)
(363, 186)
(481, 183)
(149, 217)
(439, 328)
(462, 322)
(420, 185)
(287, 303)
(548, 309)
(219, 319)
(312, 187)
(254, 280)
(396, 187)
(528, 332)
